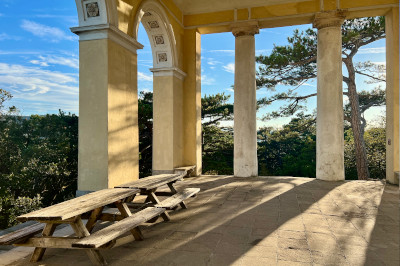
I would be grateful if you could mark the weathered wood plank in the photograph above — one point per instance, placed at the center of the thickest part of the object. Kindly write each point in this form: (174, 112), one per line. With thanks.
(21, 234)
(49, 242)
(94, 255)
(153, 198)
(185, 170)
(117, 229)
(94, 216)
(178, 198)
(80, 205)
(39, 252)
(152, 181)
(55, 242)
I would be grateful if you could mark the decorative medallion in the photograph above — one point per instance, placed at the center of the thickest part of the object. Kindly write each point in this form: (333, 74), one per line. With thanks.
(92, 10)
(153, 24)
(162, 57)
(159, 39)
(147, 14)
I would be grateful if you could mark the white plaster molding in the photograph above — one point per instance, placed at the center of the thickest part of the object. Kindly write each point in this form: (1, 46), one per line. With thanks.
(107, 31)
(168, 71)
(107, 12)
(151, 11)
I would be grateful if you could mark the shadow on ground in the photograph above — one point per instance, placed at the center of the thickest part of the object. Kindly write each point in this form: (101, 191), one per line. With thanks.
(266, 221)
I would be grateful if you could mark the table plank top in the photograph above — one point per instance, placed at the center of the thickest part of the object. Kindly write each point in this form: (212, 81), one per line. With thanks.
(151, 182)
(77, 206)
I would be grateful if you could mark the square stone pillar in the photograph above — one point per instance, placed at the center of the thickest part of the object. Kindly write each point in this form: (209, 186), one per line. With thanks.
(330, 131)
(392, 96)
(108, 108)
(245, 103)
(192, 153)
(167, 119)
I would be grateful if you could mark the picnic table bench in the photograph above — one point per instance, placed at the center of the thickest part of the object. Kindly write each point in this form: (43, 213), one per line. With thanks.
(148, 186)
(92, 207)
(70, 212)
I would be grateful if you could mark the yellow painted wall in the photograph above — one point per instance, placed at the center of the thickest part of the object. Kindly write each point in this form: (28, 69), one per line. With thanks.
(192, 100)
(392, 94)
(284, 14)
(123, 134)
(167, 123)
(163, 132)
(108, 127)
(93, 112)
(178, 122)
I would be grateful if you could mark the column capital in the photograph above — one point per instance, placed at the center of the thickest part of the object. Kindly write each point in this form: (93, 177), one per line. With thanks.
(245, 28)
(168, 71)
(107, 31)
(329, 19)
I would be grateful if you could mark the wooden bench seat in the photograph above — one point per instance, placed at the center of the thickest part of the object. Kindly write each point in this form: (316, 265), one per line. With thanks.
(116, 230)
(71, 208)
(21, 234)
(178, 198)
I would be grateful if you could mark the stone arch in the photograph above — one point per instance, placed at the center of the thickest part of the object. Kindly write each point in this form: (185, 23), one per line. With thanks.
(160, 33)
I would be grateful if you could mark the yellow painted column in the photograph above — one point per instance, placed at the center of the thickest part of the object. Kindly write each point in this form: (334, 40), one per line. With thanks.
(192, 100)
(392, 95)
(108, 109)
(167, 119)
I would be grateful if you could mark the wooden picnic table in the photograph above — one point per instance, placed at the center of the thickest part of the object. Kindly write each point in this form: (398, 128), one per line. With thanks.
(148, 186)
(92, 207)
(71, 212)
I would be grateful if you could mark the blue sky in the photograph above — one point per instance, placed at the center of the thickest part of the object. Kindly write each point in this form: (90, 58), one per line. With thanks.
(39, 58)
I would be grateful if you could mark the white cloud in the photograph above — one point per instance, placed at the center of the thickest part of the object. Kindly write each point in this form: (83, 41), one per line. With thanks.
(2, 52)
(5, 36)
(213, 62)
(229, 89)
(32, 81)
(205, 80)
(40, 63)
(45, 61)
(377, 50)
(229, 52)
(144, 77)
(46, 32)
(229, 68)
(70, 19)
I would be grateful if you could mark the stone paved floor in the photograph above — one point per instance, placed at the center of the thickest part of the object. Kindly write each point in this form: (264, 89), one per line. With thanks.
(265, 221)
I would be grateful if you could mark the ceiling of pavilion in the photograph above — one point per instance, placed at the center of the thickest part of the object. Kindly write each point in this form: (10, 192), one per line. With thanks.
(205, 6)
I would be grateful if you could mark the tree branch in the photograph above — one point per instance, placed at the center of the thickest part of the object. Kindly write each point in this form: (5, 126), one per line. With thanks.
(370, 76)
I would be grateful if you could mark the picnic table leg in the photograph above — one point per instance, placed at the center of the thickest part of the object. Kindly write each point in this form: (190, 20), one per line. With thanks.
(94, 216)
(173, 190)
(39, 252)
(124, 210)
(81, 231)
(155, 200)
